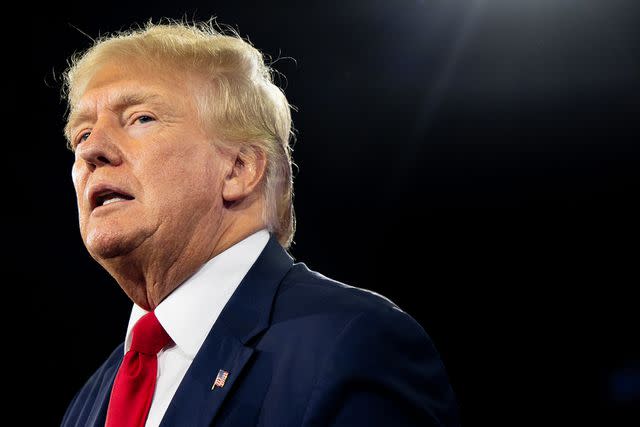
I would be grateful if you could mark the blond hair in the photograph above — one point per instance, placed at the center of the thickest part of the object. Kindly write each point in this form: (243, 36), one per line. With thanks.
(244, 105)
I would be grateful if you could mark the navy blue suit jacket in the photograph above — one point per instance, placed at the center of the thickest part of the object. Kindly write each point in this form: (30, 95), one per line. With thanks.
(301, 350)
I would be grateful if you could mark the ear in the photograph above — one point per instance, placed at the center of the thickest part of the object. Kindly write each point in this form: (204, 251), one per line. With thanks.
(245, 175)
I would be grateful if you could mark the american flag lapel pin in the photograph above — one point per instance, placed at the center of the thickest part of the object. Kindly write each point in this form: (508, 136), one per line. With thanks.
(221, 378)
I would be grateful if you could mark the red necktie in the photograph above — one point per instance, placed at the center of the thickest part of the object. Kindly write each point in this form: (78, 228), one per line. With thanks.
(136, 379)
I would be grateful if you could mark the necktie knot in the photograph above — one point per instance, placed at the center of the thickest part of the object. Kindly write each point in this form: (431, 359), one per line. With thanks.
(135, 382)
(149, 337)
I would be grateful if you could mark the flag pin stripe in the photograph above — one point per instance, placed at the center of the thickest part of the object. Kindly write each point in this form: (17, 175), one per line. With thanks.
(221, 378)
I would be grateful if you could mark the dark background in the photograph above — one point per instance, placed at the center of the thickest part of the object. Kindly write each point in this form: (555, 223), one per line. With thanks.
(474, 161)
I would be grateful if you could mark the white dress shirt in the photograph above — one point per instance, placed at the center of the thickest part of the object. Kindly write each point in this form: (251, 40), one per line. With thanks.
(189, 312)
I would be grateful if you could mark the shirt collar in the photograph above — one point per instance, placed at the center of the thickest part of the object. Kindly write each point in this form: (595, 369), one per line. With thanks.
(190, 311)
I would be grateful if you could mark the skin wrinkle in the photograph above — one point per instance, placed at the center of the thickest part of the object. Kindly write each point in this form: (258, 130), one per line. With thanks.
(193, 80)
(124, 101)
(192, 199)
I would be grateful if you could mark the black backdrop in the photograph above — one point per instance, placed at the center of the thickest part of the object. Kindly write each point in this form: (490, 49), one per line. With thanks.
(474, 161)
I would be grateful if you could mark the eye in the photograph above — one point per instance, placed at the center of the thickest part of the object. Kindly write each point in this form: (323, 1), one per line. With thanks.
(82, 137)
(143, 119)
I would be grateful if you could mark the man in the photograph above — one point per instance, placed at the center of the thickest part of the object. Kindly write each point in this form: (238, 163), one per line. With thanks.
(183, 179)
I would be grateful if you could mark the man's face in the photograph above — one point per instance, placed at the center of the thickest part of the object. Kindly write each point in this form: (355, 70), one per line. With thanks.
(146, 174)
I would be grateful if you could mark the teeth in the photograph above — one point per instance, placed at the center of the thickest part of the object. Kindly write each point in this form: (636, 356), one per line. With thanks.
(113, 200)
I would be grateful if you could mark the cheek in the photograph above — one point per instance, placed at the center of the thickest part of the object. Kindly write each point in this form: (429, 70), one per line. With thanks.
(183, 181)
(75, 174)
(79, 180)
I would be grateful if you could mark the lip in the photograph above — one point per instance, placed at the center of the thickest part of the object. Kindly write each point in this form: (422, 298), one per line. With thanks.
(98, 190)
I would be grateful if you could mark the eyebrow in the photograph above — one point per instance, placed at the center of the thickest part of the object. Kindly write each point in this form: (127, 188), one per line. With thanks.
(120, 102)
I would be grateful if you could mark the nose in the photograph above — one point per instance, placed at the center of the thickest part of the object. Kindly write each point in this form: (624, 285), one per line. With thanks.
(100, 148)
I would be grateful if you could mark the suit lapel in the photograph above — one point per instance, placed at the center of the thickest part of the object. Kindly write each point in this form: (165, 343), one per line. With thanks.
(98, 413)
(195, 403)
(245, 315)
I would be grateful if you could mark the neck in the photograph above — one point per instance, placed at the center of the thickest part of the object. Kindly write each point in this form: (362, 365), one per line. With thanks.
(149, 275)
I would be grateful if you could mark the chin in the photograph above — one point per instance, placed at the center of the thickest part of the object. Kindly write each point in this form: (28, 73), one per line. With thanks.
(104, 245)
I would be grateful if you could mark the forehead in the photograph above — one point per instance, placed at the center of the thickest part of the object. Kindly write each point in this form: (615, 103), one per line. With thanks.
(116, 85)
(114, 79)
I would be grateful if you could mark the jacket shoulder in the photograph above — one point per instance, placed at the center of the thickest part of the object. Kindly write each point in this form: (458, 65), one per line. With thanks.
(304, 292)
(370, 360)
(320, 308)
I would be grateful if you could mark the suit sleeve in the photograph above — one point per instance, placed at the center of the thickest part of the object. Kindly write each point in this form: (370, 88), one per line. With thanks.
(382, 371)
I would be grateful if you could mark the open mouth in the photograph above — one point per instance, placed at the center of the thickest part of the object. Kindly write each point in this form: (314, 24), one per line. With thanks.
(110, 197)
